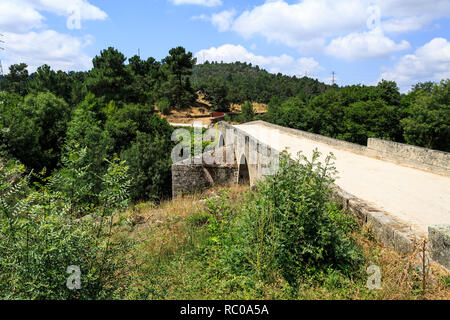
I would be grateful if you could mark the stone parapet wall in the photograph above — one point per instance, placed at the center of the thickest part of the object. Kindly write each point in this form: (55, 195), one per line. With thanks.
(353, 147)
(387, 230)
(439, 237)
(421, 158)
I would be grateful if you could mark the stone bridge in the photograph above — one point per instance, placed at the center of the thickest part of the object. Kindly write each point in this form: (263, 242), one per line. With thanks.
(402, 192)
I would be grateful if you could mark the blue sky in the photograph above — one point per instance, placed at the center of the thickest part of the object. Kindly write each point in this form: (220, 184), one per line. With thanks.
(363, 41)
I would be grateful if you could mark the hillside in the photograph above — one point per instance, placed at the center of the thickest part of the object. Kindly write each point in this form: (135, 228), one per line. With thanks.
(201, 111)
(251, 83)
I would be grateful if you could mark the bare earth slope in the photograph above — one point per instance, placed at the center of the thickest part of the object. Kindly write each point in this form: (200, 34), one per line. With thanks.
(414, 197)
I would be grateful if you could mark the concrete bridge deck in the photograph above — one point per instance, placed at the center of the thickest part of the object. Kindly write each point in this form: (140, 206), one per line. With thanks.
(412, 196)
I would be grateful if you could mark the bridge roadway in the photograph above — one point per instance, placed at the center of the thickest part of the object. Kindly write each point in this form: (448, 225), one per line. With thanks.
(414, 197)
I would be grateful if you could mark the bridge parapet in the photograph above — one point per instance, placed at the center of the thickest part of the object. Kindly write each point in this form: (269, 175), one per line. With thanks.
(420, 158)
(417, 157)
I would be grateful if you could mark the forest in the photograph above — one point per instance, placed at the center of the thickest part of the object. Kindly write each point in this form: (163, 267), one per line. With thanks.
(352, 113)
(245, 82)
(84, 156)
(355, 113)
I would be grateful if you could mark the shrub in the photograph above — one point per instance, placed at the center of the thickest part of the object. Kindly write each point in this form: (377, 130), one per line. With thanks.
(290, 223)
(40, 236)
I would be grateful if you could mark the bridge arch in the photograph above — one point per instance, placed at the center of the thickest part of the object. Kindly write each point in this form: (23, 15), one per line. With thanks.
(221, 140)
(243, 172)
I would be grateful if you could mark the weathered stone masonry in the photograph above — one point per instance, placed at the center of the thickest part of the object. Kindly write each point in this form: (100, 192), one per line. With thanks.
(192, 175)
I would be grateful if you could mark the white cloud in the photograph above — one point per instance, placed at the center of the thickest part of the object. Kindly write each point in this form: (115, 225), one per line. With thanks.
(285, 64)
(223, 20)
(429, 63)
(408, 8)
(60, 51)
(411, 15)
(365, 45)
(206, 3)
(23, 15)
(293, 24)
(29, 40)
(405, 24)
(15, 17)
(309, 25)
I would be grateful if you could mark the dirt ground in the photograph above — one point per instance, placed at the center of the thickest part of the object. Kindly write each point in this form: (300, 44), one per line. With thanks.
(200, 111)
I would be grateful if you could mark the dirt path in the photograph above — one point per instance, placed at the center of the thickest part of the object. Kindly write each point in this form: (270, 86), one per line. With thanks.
(413, 196)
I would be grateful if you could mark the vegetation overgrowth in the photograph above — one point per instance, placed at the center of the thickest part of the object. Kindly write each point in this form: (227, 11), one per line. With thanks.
(239, 243)
(79, 148)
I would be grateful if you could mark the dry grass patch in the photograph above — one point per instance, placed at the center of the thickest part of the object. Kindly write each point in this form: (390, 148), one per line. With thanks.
(169, 263)
(402, 278)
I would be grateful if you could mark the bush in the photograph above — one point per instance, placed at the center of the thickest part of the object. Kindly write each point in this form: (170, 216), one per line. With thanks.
(290, 223)
(40, 236)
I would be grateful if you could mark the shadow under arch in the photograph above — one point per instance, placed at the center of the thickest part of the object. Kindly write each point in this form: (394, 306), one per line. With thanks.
(243, 173)
(221, 141)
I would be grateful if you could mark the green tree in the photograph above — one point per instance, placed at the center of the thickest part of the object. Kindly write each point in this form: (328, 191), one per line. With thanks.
(177, 68)
(143, 139)
(293, 113)
(59, 83)
(326, 114)
(125, 121)
(247, 111)
(389, 92)
(216, 93)
(150, 166)
(86, 131)
(145, 82)
(370, 119)
(428, 122)
(17, 79)
(110, 78)
(36, 129)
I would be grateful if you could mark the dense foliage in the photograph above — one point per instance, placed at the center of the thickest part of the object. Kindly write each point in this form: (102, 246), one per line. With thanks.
(244, 82)
(285, 233)
(109, 110)
(355, 113)
(291, 224)
(76, 148)
(42, 234)
(59, 193)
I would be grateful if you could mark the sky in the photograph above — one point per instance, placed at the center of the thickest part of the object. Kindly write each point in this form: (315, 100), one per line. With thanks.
(362, 41)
